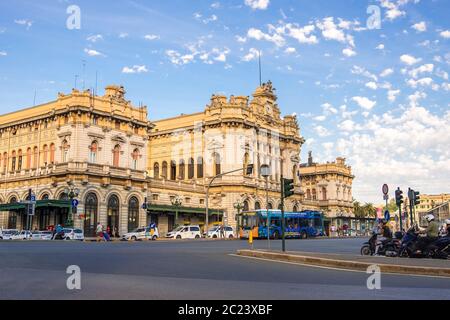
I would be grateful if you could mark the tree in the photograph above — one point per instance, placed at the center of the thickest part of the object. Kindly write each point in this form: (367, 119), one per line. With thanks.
(364, 211)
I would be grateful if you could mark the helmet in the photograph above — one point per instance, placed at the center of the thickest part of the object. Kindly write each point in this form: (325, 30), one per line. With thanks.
(447, 222)
(429, 217)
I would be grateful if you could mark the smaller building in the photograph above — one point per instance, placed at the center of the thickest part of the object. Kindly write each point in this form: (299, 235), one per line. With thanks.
(430, 201)
(327, 187)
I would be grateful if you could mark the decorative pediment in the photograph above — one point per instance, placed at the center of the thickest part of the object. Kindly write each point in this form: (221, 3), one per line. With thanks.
(214, 145)
(118, 138)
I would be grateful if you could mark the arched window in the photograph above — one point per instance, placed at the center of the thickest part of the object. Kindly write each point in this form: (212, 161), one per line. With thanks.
(257, 206)
(324, 193)
(65, 151)
(314, 194)
(113, 214)
(45, 196)
(156, 170)
(91, 211)
(52, 153)
(13, 161)
(35, 157)
(181, 170)
(270, 206)
(295, 209)
(135, 159)
(246, 207)
(173, 170)
(116, 156)
(93, 150)
(308, 194)
(199, 167)
(20, 160)
(45, 155)
(133, 214)
(29, 156)
(164, 170)
(217, 161)
(191, 169)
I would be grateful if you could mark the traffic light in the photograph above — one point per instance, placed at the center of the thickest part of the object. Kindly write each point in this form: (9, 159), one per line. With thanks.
(288, 188)
(416, 198)
(399, 197)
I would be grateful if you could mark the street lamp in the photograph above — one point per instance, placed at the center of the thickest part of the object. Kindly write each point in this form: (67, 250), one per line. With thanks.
(71, 192)
(238, 205)
(265, 172)
(177, 202)
(249, 171)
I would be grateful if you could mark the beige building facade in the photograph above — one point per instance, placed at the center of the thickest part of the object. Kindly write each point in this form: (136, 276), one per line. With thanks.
(129, 171)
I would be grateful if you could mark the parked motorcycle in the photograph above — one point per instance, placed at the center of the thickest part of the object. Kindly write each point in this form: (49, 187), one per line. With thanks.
(389, 249)
(439, 249)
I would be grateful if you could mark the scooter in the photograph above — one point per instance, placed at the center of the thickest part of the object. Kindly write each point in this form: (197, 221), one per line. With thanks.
(439, 249)
(388, 249)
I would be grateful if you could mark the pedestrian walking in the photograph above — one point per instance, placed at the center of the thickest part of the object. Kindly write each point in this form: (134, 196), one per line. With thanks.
(99, 232)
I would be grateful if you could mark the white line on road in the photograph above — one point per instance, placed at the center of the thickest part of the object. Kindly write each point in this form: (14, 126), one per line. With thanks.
(336, 269)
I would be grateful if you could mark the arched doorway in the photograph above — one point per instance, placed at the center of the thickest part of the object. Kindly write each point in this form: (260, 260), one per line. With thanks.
(257, 206)
(91, 211)
(113, 215)
(133, 214)
(12, 217)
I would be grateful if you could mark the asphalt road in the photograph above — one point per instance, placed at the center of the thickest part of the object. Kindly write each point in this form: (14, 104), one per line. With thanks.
(198, 270)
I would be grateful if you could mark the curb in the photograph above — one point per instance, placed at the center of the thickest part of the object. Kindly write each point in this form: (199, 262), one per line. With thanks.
(346, 264)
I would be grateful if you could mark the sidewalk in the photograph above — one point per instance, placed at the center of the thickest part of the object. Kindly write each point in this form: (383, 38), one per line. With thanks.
(356, 262)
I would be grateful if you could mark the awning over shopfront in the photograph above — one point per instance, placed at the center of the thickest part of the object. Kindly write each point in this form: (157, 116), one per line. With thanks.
(18, 206)
(172, 209)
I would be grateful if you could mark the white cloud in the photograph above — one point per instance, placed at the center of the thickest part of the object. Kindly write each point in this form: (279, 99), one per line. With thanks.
(212, 18)
(24, 22)
(3, 53)
(329, 109)
(251, 55)
(302, 34)
(445, 34)
(380, 47)
(424, 82)
(420, 26)
(386, 72)
(364, 102)
(151, 37)
(349, 52)
(123, 35)
(322, 131)
(259, 35)
(320, 118)
(290, 50)
(93, 53)
(409, 60)
(135, 69)
(179, 59)
(95, 38)
(363, 72)
(257, 4)
(426, 68)
(241, 39)
(331, 31)
(392, 95)
(372, 85)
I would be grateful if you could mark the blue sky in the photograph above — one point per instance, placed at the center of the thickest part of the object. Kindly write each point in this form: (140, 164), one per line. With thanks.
(379, 97)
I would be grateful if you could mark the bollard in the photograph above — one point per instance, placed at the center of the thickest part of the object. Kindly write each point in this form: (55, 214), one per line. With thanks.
(250, 238)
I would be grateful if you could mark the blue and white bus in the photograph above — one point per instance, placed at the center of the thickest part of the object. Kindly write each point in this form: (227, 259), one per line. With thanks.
(299, 225)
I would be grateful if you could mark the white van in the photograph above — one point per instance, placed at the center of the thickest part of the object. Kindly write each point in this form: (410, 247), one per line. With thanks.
(185, 232)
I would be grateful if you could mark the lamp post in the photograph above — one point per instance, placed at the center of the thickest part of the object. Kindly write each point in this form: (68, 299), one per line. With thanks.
(177, 202)
(249, 170)
(265, 172)
(238, 206)
(71, 192)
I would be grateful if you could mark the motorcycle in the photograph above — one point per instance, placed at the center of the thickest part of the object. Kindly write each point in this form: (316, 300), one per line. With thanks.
(59, 236)
(389, 248)
(438, 249)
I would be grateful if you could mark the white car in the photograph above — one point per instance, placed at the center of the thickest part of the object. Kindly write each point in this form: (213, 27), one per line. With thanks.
(185, 232)
(141, 234)
(73, 234)
(218, 233)
(7, 233)
(22, 235)
(42, 235)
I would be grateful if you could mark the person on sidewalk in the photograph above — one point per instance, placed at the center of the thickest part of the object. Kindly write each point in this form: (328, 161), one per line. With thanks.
(99, 232)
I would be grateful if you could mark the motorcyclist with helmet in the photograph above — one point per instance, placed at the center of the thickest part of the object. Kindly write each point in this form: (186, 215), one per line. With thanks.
(431, 232)
(447, 227)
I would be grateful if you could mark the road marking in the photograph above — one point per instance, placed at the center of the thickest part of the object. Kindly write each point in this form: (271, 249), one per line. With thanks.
(334, 268)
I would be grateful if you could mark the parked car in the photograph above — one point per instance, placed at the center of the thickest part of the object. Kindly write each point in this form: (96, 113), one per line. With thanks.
(185, 232)
(22, 235)
(42, 235)
(7, 233)
(141, 234)
(73, 234)
(218, 232)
